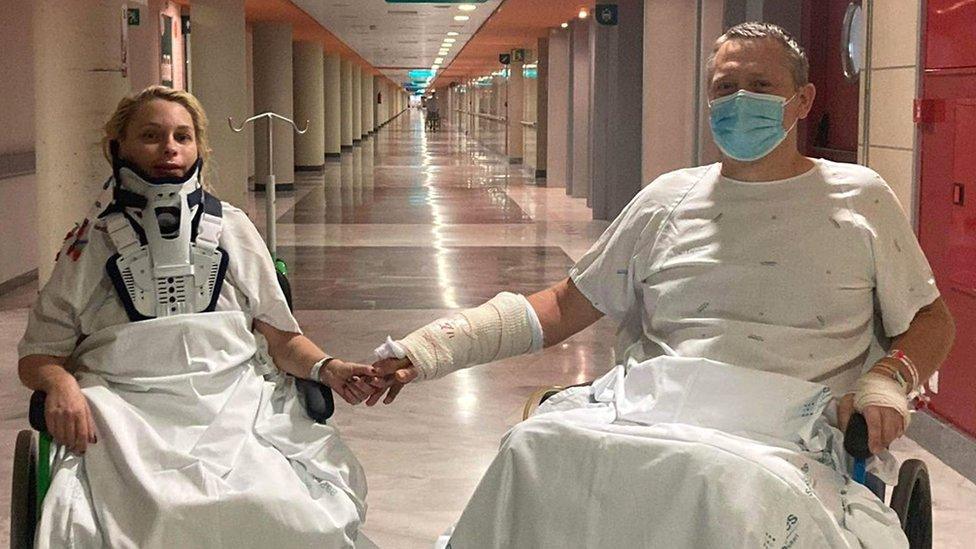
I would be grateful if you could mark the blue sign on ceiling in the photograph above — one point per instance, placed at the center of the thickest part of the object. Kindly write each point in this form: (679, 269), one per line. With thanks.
(420, 74)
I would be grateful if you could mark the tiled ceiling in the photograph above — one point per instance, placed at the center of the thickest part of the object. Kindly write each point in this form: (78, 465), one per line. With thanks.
(397, 37)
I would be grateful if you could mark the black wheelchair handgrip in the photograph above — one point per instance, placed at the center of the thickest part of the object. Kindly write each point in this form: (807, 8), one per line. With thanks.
(856, 437)
(319, 404)
(35, 414)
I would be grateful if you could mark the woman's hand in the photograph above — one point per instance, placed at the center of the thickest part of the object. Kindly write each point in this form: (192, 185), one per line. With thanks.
(347, 379)
(69, 419)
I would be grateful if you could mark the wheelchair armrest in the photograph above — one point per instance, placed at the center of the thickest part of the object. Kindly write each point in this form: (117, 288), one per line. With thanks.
(35, 413)
(319, 403)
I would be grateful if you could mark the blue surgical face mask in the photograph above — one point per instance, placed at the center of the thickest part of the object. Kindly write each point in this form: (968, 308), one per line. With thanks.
(747, 126)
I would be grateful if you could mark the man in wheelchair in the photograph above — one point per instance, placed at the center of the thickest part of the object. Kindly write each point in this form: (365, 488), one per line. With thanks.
(760, 301)
(167, 432)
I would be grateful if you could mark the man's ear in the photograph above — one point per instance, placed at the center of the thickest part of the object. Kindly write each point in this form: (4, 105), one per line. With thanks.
(806, 94)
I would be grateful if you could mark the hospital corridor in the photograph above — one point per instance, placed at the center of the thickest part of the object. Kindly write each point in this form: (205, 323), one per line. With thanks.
(682, 274)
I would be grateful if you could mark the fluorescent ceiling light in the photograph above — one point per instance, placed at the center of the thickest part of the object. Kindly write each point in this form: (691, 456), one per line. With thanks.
(583, 13)
(435, 67)
(439, 60)
(467, 7)
(453, 33)
(461, 18)
(450, 40)
(442, 52)
(564, 25)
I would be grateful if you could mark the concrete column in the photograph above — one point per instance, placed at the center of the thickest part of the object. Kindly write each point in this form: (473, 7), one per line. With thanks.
(542, 111)
(346, 96)
(366, 92)
(273, 92)
(218, 51)
(333, 105)
(515, 109)
(615, 116)
(579, 108)
(72, 82)
(377, 106)
(357, 103)
(309, 93)
(559, 171)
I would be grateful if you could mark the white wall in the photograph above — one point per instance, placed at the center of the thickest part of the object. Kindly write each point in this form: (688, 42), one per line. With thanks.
(18, 195)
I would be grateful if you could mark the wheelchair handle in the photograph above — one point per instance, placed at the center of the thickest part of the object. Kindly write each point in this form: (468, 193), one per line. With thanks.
(856, 437)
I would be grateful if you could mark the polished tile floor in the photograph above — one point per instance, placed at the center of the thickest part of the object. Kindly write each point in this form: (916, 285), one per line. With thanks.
(404, 228)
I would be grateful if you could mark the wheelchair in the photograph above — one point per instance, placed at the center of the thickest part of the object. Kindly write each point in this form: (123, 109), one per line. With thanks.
(32, 452)
(911, 499)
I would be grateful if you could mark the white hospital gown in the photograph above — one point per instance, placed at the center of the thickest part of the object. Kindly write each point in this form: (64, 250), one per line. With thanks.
(79, 299)
(195, 448)
(806, 276)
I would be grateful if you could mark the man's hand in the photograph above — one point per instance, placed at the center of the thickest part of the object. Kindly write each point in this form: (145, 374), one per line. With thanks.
(885, 424)
(390, 377)
(348, 379)
(67, 415)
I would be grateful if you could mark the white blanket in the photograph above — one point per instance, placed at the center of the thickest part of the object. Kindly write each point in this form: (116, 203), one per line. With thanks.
(677, 453)
(196, 449)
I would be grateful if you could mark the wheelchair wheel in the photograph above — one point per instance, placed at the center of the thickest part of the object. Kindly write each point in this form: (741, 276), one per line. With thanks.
(912, 501)
(23, 495)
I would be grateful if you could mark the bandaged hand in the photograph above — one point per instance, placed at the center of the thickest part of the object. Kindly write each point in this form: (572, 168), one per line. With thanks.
(505, 326)
(884, 405)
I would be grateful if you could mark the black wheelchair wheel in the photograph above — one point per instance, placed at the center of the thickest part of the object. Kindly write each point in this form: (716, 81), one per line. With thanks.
(23, 495)
(912, 501)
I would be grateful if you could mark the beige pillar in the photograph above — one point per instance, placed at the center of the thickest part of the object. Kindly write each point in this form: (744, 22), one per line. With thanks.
(516, 108)
(72, 82)
(357, 103)
(366, 92)
(377, 107)
(333, 105)
(217, 51)
(308, 79)
(542, 111)
(273, 92)
(345, 91)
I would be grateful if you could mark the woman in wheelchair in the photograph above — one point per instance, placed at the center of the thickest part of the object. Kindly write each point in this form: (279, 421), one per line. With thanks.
(173, 427)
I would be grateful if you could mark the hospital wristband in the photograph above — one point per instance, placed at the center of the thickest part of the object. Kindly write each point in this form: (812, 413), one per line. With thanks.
(900, 356)
(316, 370)
(892, 372)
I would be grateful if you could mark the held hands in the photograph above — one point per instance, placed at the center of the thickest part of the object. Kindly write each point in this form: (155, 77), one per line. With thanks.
(391, 375)
(348, 379)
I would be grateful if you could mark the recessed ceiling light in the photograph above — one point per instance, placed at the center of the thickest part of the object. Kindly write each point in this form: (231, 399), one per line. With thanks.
(461, 18)
(583, 13)
(564, 25)
(450, 40)
(453, 33)
(467, 7)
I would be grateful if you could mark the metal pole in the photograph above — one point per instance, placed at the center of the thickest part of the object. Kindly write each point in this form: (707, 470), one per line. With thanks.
(269, 187)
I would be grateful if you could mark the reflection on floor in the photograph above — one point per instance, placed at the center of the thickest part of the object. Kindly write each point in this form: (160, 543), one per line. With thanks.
(406, 227)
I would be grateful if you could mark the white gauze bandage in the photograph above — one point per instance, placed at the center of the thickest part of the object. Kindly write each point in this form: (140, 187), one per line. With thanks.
(505, 326)
(878, 390)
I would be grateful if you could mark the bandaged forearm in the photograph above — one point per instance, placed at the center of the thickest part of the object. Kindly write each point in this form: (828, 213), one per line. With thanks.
(505, 326)
(874, 389)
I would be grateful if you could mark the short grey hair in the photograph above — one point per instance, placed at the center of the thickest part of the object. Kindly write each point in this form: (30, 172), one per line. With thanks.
(796, 58)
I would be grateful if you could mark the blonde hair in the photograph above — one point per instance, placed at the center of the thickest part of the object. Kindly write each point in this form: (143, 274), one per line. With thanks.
(117, 125)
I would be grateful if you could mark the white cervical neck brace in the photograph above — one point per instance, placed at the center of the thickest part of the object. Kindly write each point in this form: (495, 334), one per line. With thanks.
(505, 326)
(170, 274)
